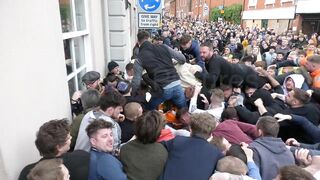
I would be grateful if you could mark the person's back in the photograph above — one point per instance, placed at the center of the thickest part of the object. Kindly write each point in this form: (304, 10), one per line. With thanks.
(270, 153)
(219, 70)
(157, 61)
(144, 158)
(132, 111)
(235, 131)
(151, 158)
(192, 157)
(89, 100)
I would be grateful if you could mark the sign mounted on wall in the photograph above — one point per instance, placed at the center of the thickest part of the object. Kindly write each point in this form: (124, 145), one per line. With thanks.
(149, 5)
(149, 20)
(149, 13)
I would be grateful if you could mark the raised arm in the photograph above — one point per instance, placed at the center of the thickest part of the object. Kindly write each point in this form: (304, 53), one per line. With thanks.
(178, 56)
(137, 76)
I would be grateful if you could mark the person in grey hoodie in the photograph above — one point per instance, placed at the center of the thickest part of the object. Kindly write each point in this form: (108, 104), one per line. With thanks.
(269, 152)
(292, 81)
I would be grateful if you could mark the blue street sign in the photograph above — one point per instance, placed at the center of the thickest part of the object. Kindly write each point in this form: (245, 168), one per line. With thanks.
(149, 5)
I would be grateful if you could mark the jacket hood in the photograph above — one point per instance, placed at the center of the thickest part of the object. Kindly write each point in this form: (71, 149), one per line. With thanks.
(275, 145)
(298, 80)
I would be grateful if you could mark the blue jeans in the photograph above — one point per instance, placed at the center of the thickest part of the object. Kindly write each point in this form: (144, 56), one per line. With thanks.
(175, 94)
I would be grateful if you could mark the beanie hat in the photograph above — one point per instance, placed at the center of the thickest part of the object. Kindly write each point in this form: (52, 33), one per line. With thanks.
(112, 65)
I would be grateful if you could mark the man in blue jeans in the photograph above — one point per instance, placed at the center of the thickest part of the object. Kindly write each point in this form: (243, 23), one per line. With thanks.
(158, 61)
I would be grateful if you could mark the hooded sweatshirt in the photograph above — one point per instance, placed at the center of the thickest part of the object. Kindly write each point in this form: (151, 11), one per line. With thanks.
(298, 80)
(270, 154)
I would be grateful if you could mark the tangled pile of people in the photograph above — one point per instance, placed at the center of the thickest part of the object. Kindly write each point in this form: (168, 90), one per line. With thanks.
(199, 100)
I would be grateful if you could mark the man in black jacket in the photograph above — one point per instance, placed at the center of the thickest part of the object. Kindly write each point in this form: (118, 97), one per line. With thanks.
(219, 70)
(158, 61)
(53, 141)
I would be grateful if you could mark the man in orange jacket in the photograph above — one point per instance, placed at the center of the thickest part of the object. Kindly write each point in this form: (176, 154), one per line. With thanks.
(313, 66)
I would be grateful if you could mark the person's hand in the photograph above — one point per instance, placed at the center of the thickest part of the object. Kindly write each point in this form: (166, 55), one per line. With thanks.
(272, 66)
(281, 117)
(192, 61)
(204, 99)
(292, 142)
(129, 78)
(197, 90)
(237, 90)
(121, 118)
(148, 96)
(267, 87)
(174, 61)
(76, 95)
(261, 71)
(193, 69)
(258, 102)
(248, 152)
(232, 101)
(303, 156)
(309, 91)
(274, 95)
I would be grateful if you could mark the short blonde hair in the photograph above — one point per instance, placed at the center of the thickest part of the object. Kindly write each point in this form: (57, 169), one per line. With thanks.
(202, 124)
(49, 169)
(232, 165)
(131, 110)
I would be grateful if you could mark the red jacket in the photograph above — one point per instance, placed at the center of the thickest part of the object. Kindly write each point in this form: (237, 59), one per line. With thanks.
(236, 132)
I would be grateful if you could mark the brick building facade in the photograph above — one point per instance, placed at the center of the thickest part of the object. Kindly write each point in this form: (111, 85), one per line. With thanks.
(274, 14)
(201, 8)
(281, 15)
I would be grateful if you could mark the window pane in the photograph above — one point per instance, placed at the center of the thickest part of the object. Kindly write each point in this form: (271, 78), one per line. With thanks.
(72, 86)
(79, 51)
(80, 84)
(67, 54)
(80, 14)
(66, 15)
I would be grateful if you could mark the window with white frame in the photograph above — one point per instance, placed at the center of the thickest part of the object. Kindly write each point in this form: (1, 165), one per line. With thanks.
(252, 3)
(266, 2)
(75, 41)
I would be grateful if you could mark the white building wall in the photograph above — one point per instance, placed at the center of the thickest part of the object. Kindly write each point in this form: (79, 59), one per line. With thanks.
(119, 32)
(99, 40)
(33, 79)
(32, 68)
(308, 6)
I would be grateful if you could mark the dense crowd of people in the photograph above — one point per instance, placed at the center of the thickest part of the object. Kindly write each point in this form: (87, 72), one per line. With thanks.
(198, 100)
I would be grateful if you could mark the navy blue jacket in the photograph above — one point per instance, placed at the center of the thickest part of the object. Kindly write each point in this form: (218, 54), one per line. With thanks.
(194, 52)
(312, 131)
(190, 158)
(104, 166)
